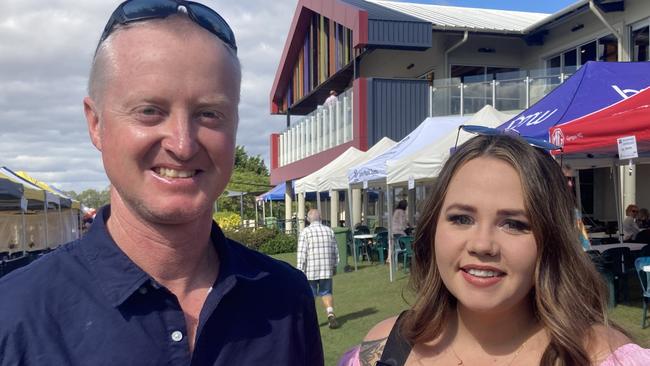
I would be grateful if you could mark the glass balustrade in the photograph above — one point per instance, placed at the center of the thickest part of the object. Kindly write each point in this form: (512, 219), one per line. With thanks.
(331, 125)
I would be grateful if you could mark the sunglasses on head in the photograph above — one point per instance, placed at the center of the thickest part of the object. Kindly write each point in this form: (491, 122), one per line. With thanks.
(137, 10)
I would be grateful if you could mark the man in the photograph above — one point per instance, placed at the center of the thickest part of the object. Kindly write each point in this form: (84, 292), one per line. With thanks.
(155, 282)
(318, 256)
(630, 227)
(332, 99)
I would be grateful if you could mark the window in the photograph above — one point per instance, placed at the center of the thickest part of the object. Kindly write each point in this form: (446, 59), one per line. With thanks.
(640, 44)
(567, 62)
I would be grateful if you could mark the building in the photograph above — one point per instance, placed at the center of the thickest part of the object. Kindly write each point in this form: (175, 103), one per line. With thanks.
(394, 63)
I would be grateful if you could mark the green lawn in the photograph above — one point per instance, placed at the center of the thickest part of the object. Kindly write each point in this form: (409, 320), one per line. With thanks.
(365, 297)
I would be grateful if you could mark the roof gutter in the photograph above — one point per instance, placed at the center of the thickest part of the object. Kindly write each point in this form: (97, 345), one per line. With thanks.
(549, 19)
(465, 36)
(594, 9)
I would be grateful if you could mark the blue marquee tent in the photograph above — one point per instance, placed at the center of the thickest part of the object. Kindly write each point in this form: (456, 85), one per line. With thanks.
(595, 86)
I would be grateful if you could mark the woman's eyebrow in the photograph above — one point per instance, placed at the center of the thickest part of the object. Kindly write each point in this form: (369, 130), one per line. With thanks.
(461, 207)
(512, 212)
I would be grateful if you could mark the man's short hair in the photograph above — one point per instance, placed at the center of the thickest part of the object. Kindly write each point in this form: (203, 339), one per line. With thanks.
(313, 215)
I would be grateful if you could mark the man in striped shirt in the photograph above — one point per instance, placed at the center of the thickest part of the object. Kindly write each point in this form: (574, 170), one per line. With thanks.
(318, 256)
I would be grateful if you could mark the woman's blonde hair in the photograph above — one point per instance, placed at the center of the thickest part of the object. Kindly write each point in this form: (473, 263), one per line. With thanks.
(569, 295)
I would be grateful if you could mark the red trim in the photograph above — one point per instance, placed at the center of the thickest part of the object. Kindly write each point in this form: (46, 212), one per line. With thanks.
(275, 150)
(308, 165)
(348, 15)
(360, 125)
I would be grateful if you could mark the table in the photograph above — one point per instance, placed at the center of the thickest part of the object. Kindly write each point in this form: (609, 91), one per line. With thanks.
(364, 237)
(602, 235)
(633, 246)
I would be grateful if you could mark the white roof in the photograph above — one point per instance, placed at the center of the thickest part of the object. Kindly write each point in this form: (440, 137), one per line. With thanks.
(309, 183)
(338, 179)
(455, 17)
(427, 162)
(428, 131)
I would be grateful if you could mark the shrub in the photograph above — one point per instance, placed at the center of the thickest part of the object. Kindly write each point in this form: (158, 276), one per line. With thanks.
(252, 238)
(227, 220)
(265, 240)
(281, 243)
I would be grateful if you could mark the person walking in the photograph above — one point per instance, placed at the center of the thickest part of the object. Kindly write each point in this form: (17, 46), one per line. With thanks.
(318, 256)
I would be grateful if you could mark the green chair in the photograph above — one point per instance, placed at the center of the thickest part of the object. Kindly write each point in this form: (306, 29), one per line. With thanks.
(644, 278)
(406, 249)
(381, 245)
(380, 229)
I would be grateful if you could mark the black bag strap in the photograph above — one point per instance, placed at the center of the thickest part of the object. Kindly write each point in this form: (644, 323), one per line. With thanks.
(397, 348)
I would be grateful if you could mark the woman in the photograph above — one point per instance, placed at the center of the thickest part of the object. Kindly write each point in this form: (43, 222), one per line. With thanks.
(399, 221)
(495, 271)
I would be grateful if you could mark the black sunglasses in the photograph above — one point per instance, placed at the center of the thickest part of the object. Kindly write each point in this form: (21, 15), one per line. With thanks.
(137, 10)
(482, 130)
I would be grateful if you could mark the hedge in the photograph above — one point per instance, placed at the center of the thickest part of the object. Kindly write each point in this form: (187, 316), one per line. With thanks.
(266, 240)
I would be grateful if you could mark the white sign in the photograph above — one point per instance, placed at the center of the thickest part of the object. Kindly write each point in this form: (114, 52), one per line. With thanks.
(411, 183)
(23, 204)
(627, 148)
(365, 184)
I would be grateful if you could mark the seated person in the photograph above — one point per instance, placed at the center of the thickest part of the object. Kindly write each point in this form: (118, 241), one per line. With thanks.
(630, 227)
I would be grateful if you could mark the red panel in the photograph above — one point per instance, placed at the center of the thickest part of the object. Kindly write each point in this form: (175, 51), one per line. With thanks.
(348, 15)
(598, 132)
(308, 165)
(360, 118)
(275, 150)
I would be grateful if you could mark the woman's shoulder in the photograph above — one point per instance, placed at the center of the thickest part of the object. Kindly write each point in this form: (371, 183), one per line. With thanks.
(607, 345)
(373, 344)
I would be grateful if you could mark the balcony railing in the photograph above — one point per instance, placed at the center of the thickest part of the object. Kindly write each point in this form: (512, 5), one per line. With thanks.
(508, 91)
(326, 127)
(331, 125)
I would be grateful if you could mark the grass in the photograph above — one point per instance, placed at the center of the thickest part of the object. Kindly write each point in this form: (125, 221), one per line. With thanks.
(366, 297)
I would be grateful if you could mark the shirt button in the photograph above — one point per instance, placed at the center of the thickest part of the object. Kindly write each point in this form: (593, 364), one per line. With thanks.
(142, 290)
(177, 336)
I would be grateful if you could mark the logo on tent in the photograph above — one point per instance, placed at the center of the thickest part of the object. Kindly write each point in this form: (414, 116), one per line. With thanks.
(558, 137)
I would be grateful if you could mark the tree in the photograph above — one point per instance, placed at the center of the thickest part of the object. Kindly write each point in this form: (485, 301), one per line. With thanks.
(91, 197)
(250, 175)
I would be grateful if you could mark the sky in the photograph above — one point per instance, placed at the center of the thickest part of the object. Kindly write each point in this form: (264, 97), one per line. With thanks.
(45, 51)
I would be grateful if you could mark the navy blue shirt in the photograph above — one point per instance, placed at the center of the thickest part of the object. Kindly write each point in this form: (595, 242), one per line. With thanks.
(87, 303)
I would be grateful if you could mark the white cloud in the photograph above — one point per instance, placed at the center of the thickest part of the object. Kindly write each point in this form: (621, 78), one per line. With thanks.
(45, 51)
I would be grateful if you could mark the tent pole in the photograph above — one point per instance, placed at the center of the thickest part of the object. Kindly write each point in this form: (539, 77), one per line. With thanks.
(47, 236)
(256, 214)
(615, 170)
(391, 244)
(61, 224)
(351, 223)
(22, 217)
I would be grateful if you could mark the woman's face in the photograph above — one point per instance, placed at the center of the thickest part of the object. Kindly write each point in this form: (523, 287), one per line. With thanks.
(485, 249)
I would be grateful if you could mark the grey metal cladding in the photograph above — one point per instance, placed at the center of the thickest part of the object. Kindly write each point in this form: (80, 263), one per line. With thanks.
(389, 28)
(395, 107)
(394, 34)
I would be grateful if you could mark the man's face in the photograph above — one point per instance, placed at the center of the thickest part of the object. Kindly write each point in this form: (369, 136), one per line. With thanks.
(166, 121)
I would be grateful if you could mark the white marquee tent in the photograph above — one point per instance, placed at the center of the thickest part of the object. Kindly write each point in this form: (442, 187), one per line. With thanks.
(426, 163)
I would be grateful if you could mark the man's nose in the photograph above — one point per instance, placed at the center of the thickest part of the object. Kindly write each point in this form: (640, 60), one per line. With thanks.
(180, 137)
(482, 241)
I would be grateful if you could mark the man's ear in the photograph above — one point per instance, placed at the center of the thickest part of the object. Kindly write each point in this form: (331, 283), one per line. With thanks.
(92, 118)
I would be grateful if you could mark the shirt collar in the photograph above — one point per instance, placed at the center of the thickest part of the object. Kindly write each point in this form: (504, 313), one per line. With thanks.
(119, 277)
